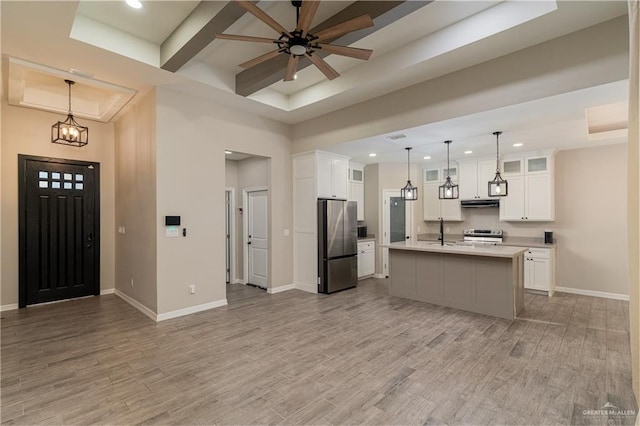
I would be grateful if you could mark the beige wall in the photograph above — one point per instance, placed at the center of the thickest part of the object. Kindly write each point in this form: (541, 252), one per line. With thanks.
(28, 131)
(192, 136)
(135, 136)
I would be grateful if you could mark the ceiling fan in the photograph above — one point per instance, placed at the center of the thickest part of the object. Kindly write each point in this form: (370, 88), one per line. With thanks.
(300, 42)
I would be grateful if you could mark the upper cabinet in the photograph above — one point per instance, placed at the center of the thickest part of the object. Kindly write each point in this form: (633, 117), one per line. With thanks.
(432, 207)
(331, 176)
(531, 188)
(475, 177)
(356, 186)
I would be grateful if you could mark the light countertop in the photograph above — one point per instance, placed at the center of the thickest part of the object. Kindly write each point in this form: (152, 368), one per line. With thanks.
(463, 249)
(531, 242)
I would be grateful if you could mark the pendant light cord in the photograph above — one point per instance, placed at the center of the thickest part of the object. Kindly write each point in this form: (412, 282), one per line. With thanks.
(408, 164)
(497, 151)
(69, 97)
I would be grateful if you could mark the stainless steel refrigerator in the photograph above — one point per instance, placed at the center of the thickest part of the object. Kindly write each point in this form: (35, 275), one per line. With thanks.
(337, 245)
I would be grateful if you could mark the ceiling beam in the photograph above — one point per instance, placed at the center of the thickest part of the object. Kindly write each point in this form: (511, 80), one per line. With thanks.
(197, 32)
(383, 13)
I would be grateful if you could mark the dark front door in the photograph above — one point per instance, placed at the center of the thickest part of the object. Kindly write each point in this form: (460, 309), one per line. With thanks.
(59, 229)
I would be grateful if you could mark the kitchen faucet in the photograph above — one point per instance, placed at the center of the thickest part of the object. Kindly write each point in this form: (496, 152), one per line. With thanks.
(441, 238)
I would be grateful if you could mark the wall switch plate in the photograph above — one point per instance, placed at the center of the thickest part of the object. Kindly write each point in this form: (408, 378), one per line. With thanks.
(131, 282)
(286, 232)
(192, 289)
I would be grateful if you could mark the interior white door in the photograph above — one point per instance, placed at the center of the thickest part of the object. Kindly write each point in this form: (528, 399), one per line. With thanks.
(257, 238)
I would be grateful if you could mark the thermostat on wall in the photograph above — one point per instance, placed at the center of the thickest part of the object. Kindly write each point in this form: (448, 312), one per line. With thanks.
(172, 221)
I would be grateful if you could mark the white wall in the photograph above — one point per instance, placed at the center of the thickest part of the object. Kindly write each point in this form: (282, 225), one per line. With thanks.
(192, 135)
(28, 131)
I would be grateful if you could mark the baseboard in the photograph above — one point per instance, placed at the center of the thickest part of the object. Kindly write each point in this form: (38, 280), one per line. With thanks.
(9, 307)
(281, 288)
(239, 281)
(191, 310)
(107, 291)
(309, 288)
(604, 294)
(139, 306)
(379, 276)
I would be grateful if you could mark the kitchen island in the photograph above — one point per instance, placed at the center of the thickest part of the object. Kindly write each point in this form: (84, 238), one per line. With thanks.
(487, 279)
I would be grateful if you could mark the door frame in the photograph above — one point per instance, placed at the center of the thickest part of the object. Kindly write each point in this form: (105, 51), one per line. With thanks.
(408, 228)
(245, 232)
(232, 235)
(22, 219)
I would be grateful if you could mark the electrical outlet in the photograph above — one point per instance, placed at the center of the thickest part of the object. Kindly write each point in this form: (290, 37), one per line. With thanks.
(131, 282)
(192, 289)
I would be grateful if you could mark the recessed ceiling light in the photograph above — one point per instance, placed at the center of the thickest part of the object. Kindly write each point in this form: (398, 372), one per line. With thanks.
(295, 76)
(373, 154)
(136, 4)
(517, 145)
(468, 152)
(427, 158)
(228, 152)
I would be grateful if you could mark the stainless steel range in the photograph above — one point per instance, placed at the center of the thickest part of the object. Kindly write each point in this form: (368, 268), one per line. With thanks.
(483, 235)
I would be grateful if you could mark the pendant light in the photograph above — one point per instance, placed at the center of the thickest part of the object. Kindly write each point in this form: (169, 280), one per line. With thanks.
(448, 190)
(409, 192)
(498, 186)
(69, 132)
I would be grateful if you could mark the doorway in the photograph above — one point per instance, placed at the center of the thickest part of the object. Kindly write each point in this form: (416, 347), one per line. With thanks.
(397, 217)
(59, 229)
(256, 236)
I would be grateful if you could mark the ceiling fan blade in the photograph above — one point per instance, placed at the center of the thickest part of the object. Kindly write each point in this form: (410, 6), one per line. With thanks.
(245, 38)
(326, 69)
(307, 12)
(352, 52)
(335, 31)
(250, 7)
(292, 66)
(260, 59)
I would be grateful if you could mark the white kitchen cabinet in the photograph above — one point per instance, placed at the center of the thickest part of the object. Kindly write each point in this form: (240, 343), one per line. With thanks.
(434, 208)
(474, 177)
(366, 259)
(356, 187)
(531, 189)
(332, 176)
(539, 270)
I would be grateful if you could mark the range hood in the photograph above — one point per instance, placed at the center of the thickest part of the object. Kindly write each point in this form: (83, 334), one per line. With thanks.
(476, 203)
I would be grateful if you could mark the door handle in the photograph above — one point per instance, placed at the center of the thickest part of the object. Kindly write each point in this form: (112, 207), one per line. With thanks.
(89, 239)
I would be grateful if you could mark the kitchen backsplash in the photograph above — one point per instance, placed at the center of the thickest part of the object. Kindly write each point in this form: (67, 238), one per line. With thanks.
(488, 218)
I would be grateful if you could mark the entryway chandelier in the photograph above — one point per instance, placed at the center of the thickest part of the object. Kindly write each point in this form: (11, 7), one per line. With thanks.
(69, 131)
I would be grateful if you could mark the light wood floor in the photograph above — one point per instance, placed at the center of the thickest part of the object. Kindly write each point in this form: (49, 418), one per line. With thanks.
(356, 357)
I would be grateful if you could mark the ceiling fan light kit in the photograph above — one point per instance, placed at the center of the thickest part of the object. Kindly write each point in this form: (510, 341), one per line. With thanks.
(69, 131)
(300, 42)
(498, 187)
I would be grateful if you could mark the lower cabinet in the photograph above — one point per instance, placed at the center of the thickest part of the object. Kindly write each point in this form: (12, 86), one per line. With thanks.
(366, 259)
(539, 270)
